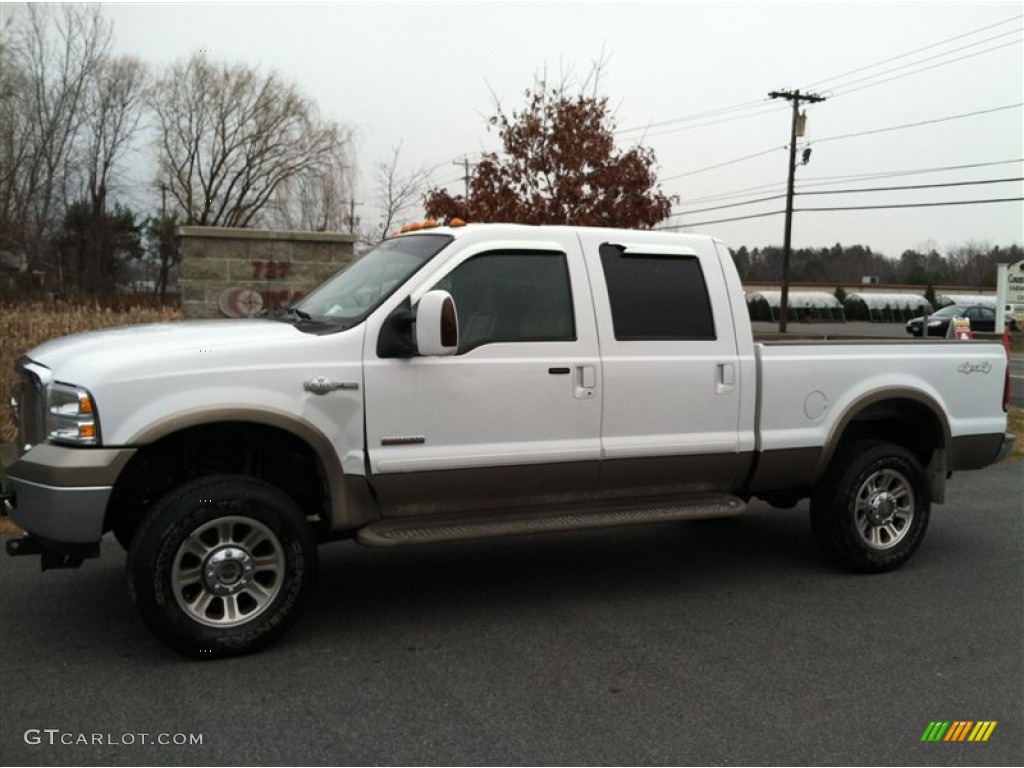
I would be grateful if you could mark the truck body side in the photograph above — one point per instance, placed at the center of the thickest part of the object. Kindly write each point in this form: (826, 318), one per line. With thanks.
(610, 373)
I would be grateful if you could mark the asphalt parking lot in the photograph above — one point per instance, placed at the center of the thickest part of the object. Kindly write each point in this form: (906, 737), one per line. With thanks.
(721, 643)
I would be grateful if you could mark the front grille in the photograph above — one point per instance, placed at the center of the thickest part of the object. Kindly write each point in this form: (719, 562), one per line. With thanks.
(31, 405)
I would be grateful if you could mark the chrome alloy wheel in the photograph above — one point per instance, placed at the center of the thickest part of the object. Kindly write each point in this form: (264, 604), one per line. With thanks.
(884, 509)
(228, 571)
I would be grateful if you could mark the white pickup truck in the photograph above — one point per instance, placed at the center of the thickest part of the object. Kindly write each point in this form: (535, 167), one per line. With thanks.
(472, 381)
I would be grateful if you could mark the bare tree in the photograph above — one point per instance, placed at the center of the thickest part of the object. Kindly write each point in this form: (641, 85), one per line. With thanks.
(229, 137)
(49, 59)
(318, 199)
(396, 194)
(113, 108)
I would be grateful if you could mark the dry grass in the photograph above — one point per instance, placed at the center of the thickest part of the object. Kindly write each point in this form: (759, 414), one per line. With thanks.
(26, 325)
(1016, 426)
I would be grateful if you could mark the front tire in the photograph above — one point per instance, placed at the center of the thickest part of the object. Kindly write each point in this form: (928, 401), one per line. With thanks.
(221, 566)
(870, 510)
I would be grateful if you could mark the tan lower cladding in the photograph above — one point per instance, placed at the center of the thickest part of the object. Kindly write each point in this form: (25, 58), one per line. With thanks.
(461, 490)
(533, 485)
(781, 470)
(54, 465)
(666, 475)
(974, 451)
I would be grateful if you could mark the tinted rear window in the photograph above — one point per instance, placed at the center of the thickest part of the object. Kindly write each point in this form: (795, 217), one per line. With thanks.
(656, 297)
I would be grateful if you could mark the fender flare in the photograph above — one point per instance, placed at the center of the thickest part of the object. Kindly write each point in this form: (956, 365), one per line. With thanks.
(869, 399)
(343, 514)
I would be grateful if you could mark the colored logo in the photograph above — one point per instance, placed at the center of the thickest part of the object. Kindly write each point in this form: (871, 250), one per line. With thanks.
(958, 730)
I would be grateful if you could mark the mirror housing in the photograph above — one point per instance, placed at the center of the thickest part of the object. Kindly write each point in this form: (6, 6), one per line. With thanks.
(437, 324)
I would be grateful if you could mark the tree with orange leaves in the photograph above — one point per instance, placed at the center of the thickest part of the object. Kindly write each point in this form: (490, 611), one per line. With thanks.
(559, 165)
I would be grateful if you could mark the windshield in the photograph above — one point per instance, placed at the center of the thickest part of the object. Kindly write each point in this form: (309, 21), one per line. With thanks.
(953, 310)
(348, 297)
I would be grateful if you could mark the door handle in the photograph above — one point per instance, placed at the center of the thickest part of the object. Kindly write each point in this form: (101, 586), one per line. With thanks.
(586, 382)
(725, 378)
(588, 376)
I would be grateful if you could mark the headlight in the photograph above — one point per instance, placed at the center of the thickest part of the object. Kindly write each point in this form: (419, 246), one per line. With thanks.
(934, 323)
(71, 415)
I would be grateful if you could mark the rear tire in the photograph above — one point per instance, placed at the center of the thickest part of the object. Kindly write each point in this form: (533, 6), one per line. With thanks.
(870, 510)
(221, 566)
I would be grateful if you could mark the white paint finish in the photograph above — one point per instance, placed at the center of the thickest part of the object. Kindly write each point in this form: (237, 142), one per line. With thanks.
(497, 404)
(846, 373)
(668, 397)
(500, 404)
(140, 376)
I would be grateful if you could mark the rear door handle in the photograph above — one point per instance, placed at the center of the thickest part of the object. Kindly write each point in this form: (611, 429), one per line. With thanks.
(725, 378)
(586, 382)
(588, 376)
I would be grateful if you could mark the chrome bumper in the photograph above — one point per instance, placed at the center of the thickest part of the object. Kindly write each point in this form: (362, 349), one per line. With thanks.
(68, 515)
(61, 494)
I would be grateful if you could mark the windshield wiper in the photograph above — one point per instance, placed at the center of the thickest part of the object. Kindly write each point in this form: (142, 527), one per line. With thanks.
(297, 313)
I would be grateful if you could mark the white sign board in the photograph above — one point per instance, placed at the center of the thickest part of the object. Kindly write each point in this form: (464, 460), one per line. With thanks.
(1015, 283)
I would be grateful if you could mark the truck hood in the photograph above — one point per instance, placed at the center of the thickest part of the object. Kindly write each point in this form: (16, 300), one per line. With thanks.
(176, 346)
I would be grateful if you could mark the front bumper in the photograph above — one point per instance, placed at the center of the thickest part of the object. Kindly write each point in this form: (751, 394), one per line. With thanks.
(60, 494)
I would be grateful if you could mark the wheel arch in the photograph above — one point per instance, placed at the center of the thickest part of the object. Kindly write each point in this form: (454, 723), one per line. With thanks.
(904, 416)
(200, 442)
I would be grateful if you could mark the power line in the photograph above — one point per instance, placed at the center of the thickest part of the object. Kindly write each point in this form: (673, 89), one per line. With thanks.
(932, 58)
(849, 191)
(760, 189)
(922, 122)
(713, 122)
(749, 105)
(843, 136)
(910, 186)
(743, 106)
(845, 208)
(917, 50)
(926, 69)
(722, 165)
(891, 174)
(824, 181)
(720, 221)
(695, 116)
(912, 205)
(733, 205)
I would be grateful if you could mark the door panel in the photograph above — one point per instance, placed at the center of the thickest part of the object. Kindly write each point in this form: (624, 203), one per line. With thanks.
(507, 417)
(671, 374)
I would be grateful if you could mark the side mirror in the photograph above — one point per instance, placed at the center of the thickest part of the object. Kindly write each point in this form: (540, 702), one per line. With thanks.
(395, 338)
(437, 324)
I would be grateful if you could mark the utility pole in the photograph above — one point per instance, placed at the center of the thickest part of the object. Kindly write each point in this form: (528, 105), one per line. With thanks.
(351, 218)
(465, 178)
(795, 97)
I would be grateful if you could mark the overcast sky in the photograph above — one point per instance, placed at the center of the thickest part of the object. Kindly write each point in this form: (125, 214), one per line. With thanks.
(422, 74)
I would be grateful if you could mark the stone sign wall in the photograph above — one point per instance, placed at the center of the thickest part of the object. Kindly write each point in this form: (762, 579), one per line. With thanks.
(229, 272)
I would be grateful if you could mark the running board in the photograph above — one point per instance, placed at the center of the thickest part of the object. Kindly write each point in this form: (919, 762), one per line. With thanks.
(482, 525)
